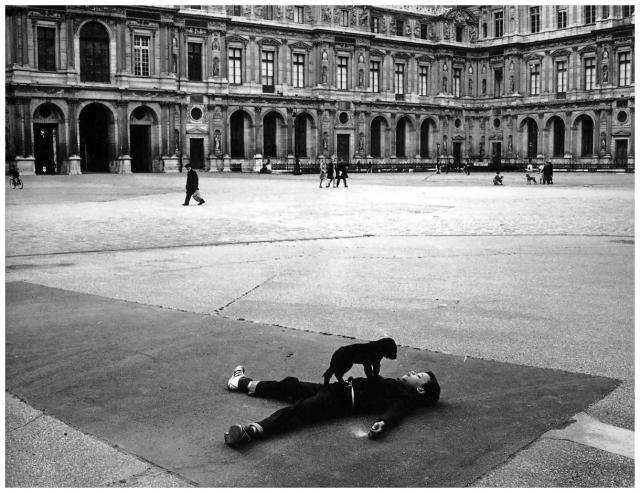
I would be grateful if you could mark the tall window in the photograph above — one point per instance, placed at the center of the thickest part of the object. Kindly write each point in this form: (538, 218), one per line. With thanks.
(400, 28)
(46, 48)
(267, 68)
(268, 12)
(534, 79)
(624, 69)
(298, 70)
(237, 10)
(627, 10)
(344, 18)
(343, 69)
(235, 66)
(561, 17)
(498, 19)
(298, 15)
(194, 61)
(589, 74)
(399, 78)
(456, 82)
(94, 53)
(484, 30)
(374, 76)
(423, 79)
(424, 32)
(534, 13)
(141, 55)
(561, 76)
(589, 14)
(375, 25)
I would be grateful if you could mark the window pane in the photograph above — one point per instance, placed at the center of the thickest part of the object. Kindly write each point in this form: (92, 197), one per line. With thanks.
(46, 48)
(235, 66)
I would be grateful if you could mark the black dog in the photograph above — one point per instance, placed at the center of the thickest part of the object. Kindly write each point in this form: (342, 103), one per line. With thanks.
(368, 354)
(531, 179)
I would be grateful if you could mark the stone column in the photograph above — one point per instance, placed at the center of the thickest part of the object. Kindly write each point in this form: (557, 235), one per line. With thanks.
(123, 161)
(72, 165)
(171, 160)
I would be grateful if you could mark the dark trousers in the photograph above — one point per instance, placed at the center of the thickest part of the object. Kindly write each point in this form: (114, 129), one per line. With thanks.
(344, 180)
(313, 403)
(187, 199)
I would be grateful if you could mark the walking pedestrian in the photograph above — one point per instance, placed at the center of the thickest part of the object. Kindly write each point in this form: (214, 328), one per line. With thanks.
(323, 171)
(330, 172)
(342, 174)
(192, 187)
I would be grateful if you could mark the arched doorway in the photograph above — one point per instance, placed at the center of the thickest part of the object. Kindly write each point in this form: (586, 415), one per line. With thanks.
(240, 126)
(402, 137)
(94, 53)
(530, 128)
(557, 132)
(427, 131)
(584, 128)
(303, 126)
(141, 123)
(272, 134)
(378, 127)
(47, 121)
(96, 138)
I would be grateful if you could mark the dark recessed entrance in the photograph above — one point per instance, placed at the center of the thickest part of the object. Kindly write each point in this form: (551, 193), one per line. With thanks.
(140, 136)
(45, 137)
(196, 154)
(94, 138)
(343, 147)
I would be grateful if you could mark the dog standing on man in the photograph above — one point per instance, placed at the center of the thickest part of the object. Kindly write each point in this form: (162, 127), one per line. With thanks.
(367, 354)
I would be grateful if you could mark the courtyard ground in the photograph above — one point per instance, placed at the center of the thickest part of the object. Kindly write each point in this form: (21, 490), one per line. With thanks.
(126, 312)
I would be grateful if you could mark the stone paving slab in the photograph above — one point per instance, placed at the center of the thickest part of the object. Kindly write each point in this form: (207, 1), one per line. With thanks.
(42, 452)
(151, 381)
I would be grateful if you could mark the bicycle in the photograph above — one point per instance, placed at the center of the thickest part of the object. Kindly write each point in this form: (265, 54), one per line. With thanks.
(16, 182)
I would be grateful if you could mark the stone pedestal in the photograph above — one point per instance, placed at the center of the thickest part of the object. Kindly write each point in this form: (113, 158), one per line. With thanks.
(257, 162)
(26, 165)
(212, 164)
(123, 165)
(226, 163)
(171, 164)
(71, 165)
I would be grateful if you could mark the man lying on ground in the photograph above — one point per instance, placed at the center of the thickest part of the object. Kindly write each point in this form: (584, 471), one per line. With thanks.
(313, 402)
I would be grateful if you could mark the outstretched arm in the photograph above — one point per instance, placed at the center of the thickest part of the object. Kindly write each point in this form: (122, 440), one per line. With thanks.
(390, 418)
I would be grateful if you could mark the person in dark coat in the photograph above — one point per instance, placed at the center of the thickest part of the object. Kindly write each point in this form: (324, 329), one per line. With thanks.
(342, 174)
(391, 399)
(192, 186)
(330, 171)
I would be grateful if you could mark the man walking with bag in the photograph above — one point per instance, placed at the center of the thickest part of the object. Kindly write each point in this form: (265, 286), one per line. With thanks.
(192, 187)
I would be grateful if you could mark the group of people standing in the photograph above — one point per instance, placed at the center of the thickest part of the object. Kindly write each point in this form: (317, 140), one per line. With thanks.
(546, 172)
(331, 170)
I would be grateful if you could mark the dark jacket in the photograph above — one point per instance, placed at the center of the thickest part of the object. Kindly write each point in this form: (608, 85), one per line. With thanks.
(342, 170)
(385, 396)
(192, 181)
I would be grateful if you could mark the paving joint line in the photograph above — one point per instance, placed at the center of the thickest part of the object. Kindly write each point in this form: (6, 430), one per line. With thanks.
(320, 238)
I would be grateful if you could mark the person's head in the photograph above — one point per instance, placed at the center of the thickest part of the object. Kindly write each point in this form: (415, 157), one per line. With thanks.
(424, 384)
(188, 167)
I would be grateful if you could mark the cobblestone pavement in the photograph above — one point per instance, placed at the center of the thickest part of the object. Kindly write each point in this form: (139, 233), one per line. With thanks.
(536, 275)
(107, 212)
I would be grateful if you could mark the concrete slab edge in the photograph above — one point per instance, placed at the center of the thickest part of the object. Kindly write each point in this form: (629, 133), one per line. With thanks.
(589, 431)
(26, 419)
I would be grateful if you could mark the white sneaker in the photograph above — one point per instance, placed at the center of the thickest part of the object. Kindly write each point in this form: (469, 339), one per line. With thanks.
(238, 373)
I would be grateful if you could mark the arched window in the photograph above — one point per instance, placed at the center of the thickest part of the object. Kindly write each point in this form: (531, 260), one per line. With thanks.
(94, 53)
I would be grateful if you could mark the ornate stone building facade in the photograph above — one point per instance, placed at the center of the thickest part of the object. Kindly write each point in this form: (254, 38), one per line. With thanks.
(147, 89)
